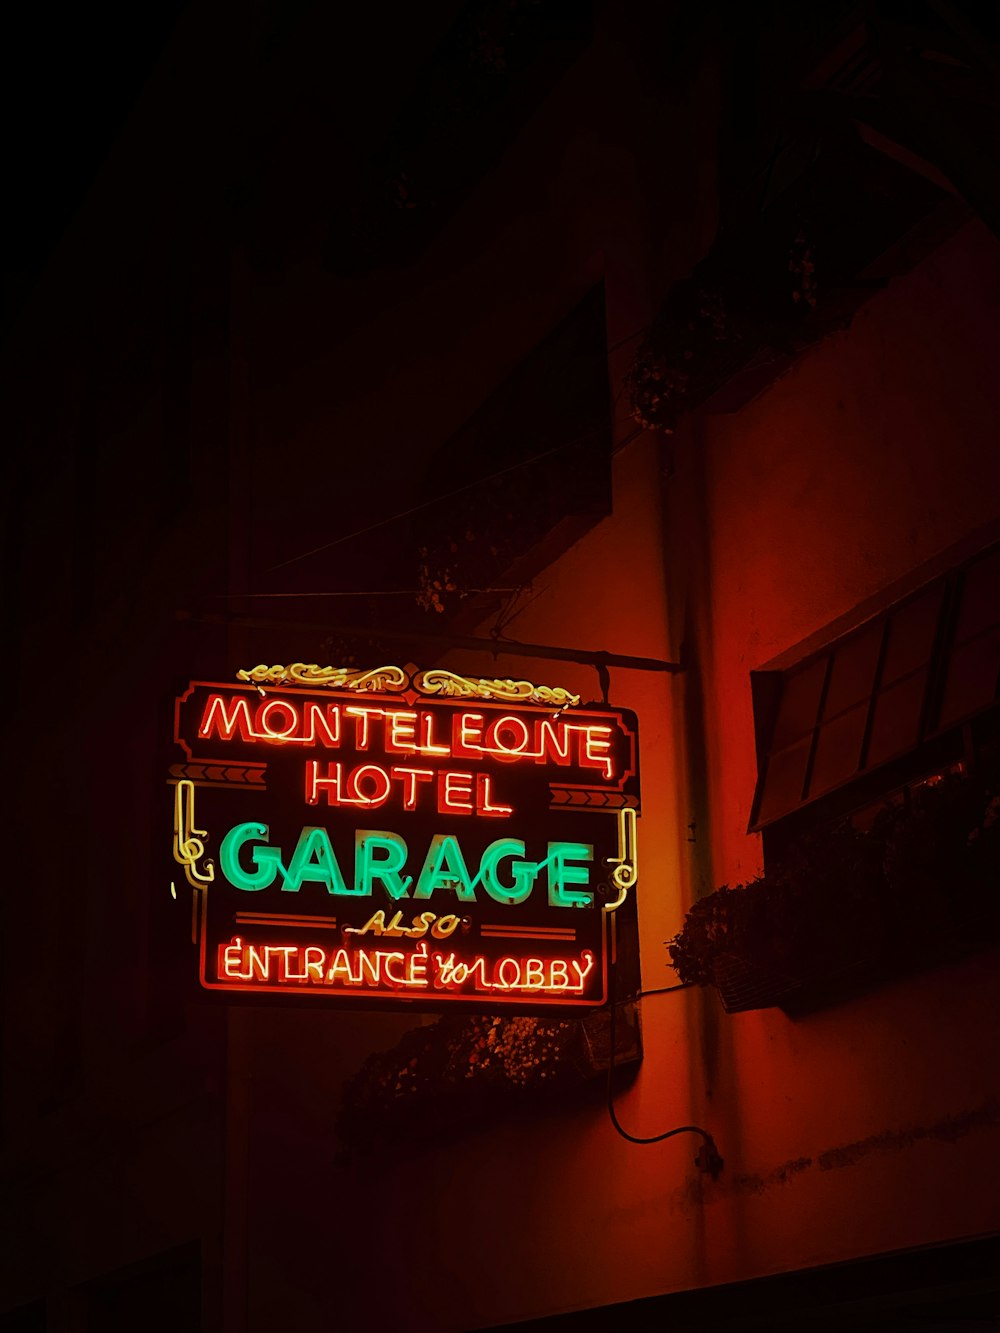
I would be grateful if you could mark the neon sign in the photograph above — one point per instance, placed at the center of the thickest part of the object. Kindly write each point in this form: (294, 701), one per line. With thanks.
(398, 837)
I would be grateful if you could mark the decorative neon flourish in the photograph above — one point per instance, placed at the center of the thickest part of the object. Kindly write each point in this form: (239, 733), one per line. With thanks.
(626, 871)
(390, 679)
(393, 679)
(446, 683)
(188, 845)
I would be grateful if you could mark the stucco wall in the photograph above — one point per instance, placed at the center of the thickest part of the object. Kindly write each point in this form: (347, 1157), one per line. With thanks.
(866, 1127)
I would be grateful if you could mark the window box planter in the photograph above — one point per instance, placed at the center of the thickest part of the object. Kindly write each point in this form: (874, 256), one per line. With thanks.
(850, 907)
(462, 1073)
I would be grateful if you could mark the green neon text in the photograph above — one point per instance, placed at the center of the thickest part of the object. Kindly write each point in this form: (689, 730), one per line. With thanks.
(503, 873)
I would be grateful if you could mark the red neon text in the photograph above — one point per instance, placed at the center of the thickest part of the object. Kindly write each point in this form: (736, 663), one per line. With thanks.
(549, 975)
(250, 966)
(281, 720)
(370, 786)
(375, 969)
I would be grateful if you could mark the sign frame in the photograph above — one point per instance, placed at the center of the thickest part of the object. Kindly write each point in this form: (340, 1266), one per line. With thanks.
(516, 803)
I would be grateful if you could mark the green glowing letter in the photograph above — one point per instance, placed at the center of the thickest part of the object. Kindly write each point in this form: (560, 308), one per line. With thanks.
(380, 856)
(445, 868)
(524, 872)
(313, 860)
(266, 859)
(561, 874)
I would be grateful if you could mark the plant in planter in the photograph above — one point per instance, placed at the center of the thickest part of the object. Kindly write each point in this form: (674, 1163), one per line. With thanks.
(461, 1073)
(920, 883)
(744, 297)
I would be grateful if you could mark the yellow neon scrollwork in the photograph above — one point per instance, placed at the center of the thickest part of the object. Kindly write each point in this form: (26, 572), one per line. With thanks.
(450, 685)
(394, 679)
(188, 845)
(388, 678)
(625, 869)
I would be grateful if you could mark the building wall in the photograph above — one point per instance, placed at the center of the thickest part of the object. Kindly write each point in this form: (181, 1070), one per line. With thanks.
(135, 1123)
(860, 1129)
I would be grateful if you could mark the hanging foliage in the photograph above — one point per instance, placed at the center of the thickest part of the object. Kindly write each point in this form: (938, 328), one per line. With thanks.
(463, 1072)
(742, 300)
(920, 884)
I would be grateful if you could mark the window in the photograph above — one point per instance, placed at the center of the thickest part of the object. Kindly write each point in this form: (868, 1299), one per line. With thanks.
(911, 691)
(526, 475)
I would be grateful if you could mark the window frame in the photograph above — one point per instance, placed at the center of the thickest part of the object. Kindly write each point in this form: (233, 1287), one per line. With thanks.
(940, 743)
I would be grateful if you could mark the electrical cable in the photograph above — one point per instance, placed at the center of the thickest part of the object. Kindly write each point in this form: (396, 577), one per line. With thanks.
(629, 337)
(511, 612)
(708, 1158)
(658, 990)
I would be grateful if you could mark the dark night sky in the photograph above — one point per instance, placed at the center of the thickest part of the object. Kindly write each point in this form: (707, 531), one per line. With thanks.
(70, 72)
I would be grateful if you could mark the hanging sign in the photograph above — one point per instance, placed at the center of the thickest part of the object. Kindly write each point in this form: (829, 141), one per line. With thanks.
(401, 836)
